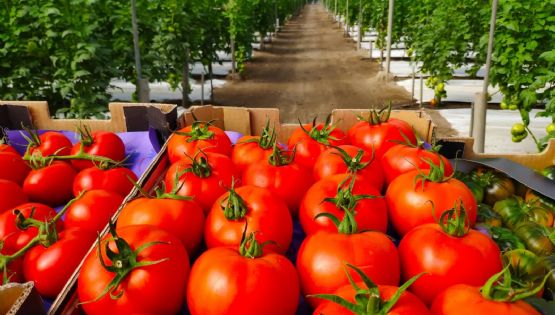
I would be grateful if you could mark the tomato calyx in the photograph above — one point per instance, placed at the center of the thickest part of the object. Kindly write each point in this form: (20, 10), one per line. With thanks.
(344, 198)
(526, 268)
(266, 140)
(354, 164)
(199, 131)
(199, 166)
(85, 135)
(33, 139)
(377, 117)
(502, 288)
(368, 300)
(454, 221)
(348, 225)
(322, 135)
(250, 247)
(436, 173)
(281, 157)
(233, 205)
(122, 262)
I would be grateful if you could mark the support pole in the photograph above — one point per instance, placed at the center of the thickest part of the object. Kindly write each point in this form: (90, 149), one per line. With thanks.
(360, 31)
(142, 88)
(389, 35)
(202, 87)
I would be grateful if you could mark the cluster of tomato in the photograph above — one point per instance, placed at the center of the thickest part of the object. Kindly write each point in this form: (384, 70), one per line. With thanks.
(344, 188)
(38, 243)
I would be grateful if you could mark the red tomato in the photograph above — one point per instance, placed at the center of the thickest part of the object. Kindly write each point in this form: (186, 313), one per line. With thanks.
(448, 260)
(409, 203)
(182, 218)
(93, 210)
(463, 299)
(13, 167)
(263, 212)
(408, 304)
(332, 162)
(310, 141)
(100, 143)
(402, 158)
(49, 143)
(288, 180)
(380, 136)
(321, 259)
(205, 182)
(51, 185)
(6, 148)
(198, 136)
(249, 150)
(153, 289)
(14, 238)
(224, 281)
(370, 214)
(11, 195)
(51, 267)
(117, 180)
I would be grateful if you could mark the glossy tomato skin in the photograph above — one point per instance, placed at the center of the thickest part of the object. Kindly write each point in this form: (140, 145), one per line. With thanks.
(51, 185)
(408, 303)
(308, 149)
(463, 299)
(6, 148)
(322, 256)
(182, 218)
(93, 210)
(14, 238)
(267, 215)
(11, 195)
(13, 167)
(203, 190)
(447, 260)
(104, 143)
(330, 163)
(179, 146)
(401, 159)
(289, 182)
(370, 214)
(117, 180)
(51, 267)
(245, 152)
(264, 285)
(409, 205)
(52, 142)
(381, 137)
(154, 289)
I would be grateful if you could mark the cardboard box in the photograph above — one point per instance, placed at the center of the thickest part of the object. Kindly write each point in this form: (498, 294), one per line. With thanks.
(20, 299)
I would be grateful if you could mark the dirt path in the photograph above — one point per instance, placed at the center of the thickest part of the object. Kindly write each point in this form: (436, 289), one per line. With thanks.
(310, 68)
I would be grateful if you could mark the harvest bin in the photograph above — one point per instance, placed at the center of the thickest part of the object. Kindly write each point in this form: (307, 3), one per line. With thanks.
(148, 123)
(248, 121)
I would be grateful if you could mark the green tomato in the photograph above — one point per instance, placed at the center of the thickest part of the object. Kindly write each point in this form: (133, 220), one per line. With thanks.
(504, 105)
(513, 106)
(550, 128)
(518, 129)
(440, 86)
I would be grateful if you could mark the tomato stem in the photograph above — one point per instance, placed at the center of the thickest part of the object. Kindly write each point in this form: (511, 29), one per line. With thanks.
(344, 198)
(322, 135)
(233, 205)
(250, 247)
(377, 117)
(435, 174)
(501, 287)
(354, 164)
(36, 160)
(278, 158)
(454, 221)
(199, 131)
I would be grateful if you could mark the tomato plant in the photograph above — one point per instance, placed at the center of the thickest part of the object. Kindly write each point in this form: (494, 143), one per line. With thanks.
(246, 281)
(11, 195)
(93, 210)
(130, 270)
(13, 167)
(99, 143)
(198, 136)
(51, 267)
(118, 179)
(44, 185)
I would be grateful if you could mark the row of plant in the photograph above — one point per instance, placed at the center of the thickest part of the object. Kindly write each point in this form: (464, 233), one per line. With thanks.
(454, 34)
(67, 52)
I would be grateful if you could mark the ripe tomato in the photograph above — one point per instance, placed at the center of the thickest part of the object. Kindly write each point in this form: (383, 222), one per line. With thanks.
(370, 214)
(93, 210)
(6, 148)
(143, 290)
(11, 195)
(198, 136)
(182, 218)
(249, 150)
(332, 161)
(51, 267)
(448, 260)
(49, 143)
(51, 185)
(379, 133)
(99, 143)
(321, 258)
(403, 158)
(408, 303)
(409, 200)
(204, 178)
(244, 282)
(14, 238)
(463, 299)
(287, 179)
(310, 141)
(117, 180)
(13, 167)
(257, 207)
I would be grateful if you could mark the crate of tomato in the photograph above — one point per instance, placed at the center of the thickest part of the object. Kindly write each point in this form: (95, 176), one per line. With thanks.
(61, 180)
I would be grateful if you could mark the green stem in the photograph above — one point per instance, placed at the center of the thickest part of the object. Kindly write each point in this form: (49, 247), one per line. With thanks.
(538, 144)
